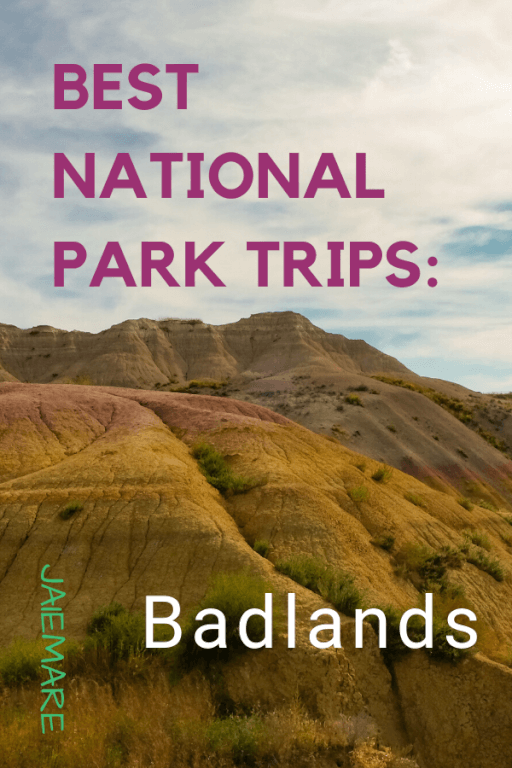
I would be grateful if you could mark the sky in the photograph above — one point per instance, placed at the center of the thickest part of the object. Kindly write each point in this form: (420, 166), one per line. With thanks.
(424, 89)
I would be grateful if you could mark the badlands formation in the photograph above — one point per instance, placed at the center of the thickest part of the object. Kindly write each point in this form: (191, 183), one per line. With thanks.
(148, 522)
(434, 430)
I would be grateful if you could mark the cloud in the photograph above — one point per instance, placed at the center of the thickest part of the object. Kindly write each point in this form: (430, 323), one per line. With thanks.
(421, 88)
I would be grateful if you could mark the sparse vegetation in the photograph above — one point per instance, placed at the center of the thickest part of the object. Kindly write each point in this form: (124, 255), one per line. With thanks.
(496, 442)
(149, 723)
(354, 400)
(466, 503)
(382, 474)
(262, 547)
(478, 538)
(117, 631)
(200, 384)
(233, 594)
(441, 650)
(487, 505)
(391, 427)
(334, 585)
(427, 569)
(82, 380)
(70, 510)
(358, 494)
(20, 662)
(415, 499)
(218, 473)
(485, 563)
(456, 407)
(384, 541)
(451, 404)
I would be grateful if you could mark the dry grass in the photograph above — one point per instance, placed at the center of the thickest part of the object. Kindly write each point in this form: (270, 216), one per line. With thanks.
(139, 722)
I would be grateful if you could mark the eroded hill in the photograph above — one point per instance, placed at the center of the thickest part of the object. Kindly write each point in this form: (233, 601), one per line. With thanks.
(148, 522)
(340, 387)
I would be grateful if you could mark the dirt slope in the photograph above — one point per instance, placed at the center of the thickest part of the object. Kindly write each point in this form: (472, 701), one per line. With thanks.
(151, 524)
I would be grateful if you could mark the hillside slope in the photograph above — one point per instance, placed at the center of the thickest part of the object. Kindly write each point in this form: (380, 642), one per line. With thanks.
(148, 522)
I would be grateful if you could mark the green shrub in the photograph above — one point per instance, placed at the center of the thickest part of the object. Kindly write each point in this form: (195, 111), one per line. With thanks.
(489, 565)
(427, 568)
(354, 400)
(442, 650)
(478, 538)
(395, 648)
(233, 594)
(20, 662)
(262, 547)
(384, 541)
(114, 629)
(358, 494)
(334, 585)
(487, 505)
(382, 474)
(70, 510)
(418, 501)
(218, 473)
(240, 738)
(466, 504)
(391, 427)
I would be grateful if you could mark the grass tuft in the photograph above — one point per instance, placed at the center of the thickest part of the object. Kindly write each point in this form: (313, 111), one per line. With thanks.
(233, 594)
(487, 505)
(415, 499)
(427, 568)
(478, 538)
(218, 473)
(70, 510)
(112, 628)
(334, 585)
(489, 565)
(385, 541)
(354, 400)
(382, 474)
(262, 547)
(358, 494)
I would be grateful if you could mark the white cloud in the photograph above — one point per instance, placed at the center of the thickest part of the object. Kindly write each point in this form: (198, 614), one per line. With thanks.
(423, 88)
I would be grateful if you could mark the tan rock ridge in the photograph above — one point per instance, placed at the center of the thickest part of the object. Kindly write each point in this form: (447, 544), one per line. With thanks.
(144, 353)
(148, 522)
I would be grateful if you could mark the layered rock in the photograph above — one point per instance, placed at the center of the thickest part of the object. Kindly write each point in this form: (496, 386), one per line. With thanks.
(148, 522)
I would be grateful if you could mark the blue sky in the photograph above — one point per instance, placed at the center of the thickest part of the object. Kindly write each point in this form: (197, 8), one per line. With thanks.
(425, 89)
